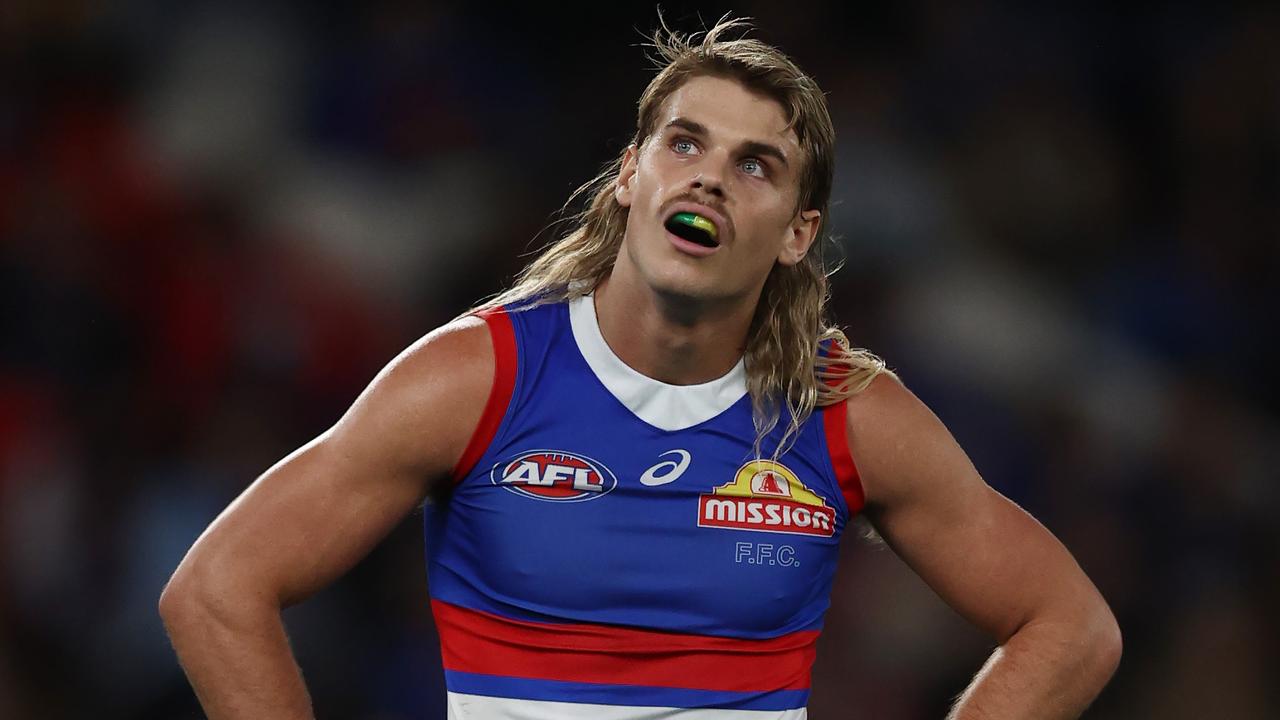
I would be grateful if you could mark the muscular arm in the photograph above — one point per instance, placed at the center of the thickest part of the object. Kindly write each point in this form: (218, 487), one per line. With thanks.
(987, 558)
(315, 514)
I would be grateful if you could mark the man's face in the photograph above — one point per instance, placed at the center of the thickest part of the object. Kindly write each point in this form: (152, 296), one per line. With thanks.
(713, 194)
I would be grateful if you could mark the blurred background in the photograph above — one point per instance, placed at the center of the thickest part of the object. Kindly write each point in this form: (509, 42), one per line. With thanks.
(218, 220)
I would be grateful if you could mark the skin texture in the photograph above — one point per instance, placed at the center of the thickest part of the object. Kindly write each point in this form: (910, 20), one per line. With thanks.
(682, 318)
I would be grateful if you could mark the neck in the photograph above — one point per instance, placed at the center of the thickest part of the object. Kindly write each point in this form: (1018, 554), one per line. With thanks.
(675, 340)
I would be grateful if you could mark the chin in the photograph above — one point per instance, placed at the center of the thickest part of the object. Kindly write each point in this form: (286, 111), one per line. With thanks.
(671, 274)
(688, 283)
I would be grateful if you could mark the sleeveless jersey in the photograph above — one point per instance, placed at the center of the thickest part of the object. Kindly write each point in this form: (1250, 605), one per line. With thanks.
(613, 549)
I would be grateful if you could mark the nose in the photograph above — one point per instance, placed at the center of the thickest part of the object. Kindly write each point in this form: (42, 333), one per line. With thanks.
(708, 182)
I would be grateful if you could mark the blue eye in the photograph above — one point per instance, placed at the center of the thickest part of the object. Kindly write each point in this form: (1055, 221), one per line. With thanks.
(751, 166)
(684, 147)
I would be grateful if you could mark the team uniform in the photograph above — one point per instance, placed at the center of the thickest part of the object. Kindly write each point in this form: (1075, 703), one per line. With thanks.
(613, 549)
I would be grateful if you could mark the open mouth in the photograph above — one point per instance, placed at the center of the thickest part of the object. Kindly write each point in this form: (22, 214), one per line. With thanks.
(694, 228)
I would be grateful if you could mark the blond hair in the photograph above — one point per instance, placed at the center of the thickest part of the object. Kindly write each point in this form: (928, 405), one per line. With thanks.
(794, 356)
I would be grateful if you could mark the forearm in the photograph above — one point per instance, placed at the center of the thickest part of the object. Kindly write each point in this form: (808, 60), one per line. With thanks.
(237, 658)
(1046, 671)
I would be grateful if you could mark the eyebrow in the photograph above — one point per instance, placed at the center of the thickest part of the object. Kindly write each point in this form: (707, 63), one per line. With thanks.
(749, 147)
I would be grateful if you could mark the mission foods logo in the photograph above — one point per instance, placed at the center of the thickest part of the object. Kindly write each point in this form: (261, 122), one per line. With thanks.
(555, 476)
(766, 496)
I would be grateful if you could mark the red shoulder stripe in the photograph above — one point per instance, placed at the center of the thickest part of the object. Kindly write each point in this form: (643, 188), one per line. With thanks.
(833, 422)
(504, 382)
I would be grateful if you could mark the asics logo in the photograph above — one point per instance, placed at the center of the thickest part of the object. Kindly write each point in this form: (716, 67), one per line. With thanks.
(667, 470)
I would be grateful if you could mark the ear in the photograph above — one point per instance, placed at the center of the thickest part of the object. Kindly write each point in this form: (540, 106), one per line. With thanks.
(622, 190)
(800, 236)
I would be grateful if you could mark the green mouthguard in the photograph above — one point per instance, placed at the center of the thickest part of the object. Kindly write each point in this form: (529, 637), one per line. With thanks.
(697, 221)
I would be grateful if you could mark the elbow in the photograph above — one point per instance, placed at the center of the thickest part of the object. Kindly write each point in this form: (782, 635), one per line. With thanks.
(1097, 647)
(1082, 640)
(1107, 645)
(205, 592)
(178, 598)
(195, 592)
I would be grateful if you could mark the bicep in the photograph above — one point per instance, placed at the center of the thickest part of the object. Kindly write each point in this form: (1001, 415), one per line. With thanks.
(986, 557)
(317, 512)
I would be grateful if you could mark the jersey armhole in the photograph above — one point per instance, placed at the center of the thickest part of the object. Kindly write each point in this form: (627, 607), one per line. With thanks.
(833, 423)
(503, 335)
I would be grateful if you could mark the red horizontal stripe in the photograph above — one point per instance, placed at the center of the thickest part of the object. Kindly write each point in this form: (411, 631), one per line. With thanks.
(479, 642)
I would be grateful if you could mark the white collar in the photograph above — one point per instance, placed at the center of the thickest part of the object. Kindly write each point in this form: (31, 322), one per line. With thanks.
(667, 407)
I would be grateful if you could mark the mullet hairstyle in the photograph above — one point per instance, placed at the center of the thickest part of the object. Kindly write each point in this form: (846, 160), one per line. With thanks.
(794, 355)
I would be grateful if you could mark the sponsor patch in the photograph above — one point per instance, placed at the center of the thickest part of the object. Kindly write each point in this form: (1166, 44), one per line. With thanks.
(554, 475)
(766, 496)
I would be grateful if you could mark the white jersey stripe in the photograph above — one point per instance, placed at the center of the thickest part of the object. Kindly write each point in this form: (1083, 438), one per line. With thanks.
(482, 707)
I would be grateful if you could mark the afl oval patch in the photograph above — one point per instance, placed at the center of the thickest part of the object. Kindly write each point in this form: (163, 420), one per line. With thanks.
(555, 476)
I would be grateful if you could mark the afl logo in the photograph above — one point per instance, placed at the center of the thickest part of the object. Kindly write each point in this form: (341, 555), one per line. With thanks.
(554, 476)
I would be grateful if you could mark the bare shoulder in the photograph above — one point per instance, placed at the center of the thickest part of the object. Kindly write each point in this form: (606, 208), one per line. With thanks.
(900, 446)
(453, 357)
(420, 410)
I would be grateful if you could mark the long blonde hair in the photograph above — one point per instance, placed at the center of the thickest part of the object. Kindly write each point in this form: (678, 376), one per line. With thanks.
(794, 356)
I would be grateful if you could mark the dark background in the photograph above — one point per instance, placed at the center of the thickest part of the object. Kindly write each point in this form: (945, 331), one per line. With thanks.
(217, 222)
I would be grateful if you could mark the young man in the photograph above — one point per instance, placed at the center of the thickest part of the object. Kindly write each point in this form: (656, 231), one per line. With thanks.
(644, 456)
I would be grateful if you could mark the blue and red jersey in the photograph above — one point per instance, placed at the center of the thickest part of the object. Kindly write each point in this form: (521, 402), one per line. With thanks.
(614, 549)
